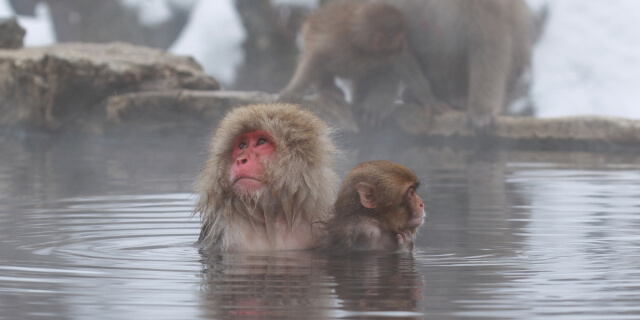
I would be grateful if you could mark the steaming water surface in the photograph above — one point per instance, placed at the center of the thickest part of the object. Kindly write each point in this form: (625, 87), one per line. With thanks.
(101, 229)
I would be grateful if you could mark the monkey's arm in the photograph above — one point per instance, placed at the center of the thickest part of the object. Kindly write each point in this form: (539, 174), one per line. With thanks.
(306, 72)
(487, 86)
(490, 59)
(376, 94)
(410, 73)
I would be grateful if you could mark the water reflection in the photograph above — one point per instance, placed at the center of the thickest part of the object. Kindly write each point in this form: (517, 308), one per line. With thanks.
(286, 285)
(101, 229)
(377, 285)
(308, 285)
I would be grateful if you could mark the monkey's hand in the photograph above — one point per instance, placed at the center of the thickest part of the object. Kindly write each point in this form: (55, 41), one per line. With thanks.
(437, 107)
(404, 239)
(334, 93)
(484, 124)
(374, 114)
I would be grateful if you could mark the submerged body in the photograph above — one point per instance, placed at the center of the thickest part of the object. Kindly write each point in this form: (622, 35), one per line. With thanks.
(377, 209)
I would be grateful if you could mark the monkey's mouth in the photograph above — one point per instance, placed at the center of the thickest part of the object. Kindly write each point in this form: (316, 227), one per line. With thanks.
(245, 178)
(247, 183)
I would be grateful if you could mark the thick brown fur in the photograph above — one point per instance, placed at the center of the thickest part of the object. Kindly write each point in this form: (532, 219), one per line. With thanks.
(351, 223)
(472, 53)
(340, 41)
(300, 178)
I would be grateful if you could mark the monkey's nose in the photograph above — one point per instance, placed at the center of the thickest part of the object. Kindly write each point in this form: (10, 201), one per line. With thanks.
(241, 160)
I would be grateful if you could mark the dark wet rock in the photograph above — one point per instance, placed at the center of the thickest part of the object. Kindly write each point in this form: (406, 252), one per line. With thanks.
(11, 34)
(66, 85)
(176, 110)
(409, 122)
(203, 105)
(173, 109)
(581, 132)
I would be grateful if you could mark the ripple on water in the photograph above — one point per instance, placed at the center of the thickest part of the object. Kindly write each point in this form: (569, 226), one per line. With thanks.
(555, 243)
(143, 236)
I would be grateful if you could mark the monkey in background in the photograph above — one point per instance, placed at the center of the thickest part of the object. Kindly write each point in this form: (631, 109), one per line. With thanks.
(468, 53)
(354, 40)
(377, 209)
(268, 178)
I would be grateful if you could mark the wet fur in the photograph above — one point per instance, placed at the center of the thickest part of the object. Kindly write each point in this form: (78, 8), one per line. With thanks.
(352, 226)
(301, 178)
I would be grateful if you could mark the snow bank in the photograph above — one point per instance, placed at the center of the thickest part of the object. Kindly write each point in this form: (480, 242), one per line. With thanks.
(39, 28)
(150, 12)
(5, 9)
(214, 37)
(305, 3)
(588, 61)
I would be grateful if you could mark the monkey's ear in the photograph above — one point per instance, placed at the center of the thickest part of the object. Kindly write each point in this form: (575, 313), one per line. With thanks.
(367, 194)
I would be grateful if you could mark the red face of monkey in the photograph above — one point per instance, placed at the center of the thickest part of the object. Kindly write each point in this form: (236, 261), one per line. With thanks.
(416, 208)
(250, 151)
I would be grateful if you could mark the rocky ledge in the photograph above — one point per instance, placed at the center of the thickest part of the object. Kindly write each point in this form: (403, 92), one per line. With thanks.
(579, 132)
(66, 85)
(118, 87)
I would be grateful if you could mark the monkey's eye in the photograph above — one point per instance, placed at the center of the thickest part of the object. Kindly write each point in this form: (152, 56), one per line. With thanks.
(261, 141)
(412, 192)
(242, 145)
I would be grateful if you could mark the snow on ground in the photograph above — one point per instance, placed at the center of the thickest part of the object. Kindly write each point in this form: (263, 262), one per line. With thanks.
(5, 9)
(155, 12)
(305, 3)
(39, 28)
(150, 12)
(153, 7)
(587, 62)
(213, 36)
